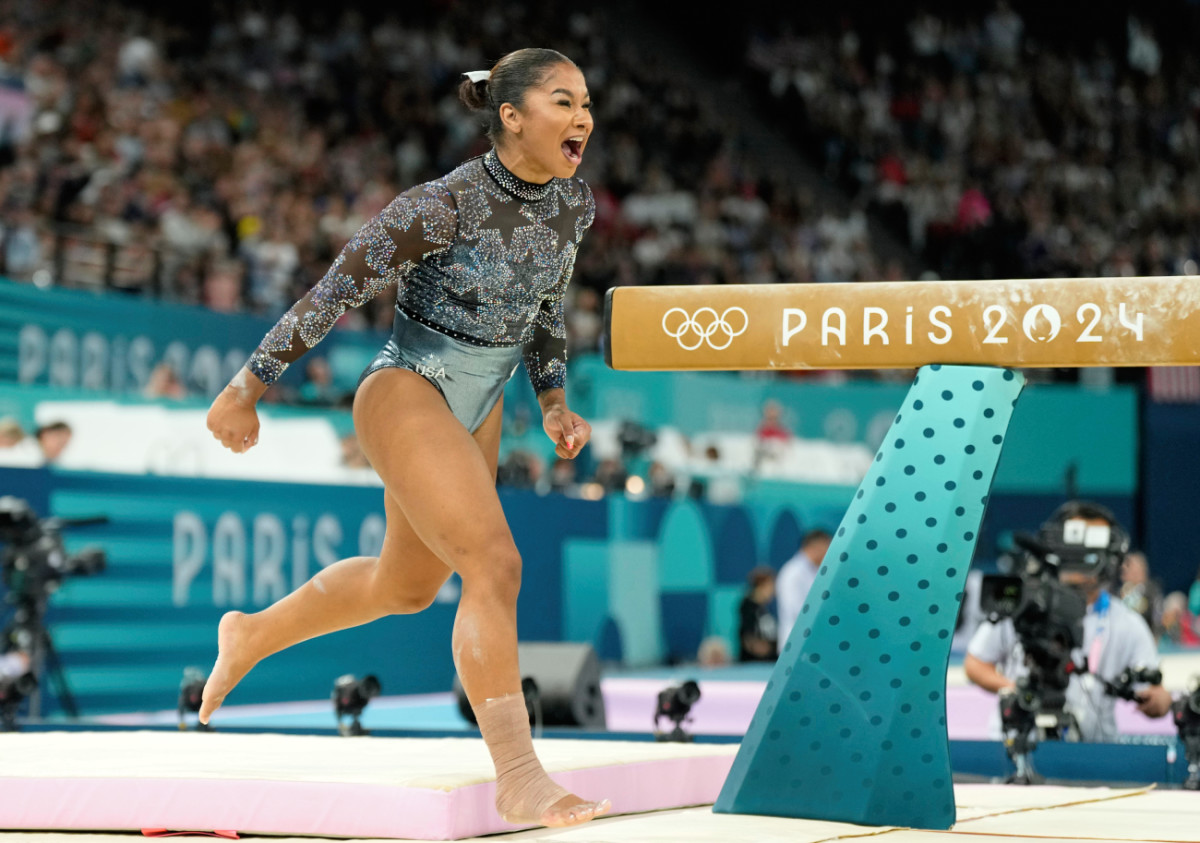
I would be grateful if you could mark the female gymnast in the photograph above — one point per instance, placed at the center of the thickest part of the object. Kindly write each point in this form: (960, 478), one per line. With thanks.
(482, 257)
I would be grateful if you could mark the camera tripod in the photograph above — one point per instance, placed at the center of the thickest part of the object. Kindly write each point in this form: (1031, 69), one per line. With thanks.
(1030, 714)
(28, 631)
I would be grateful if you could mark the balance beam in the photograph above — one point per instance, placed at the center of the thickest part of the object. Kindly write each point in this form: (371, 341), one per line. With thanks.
(906, 324)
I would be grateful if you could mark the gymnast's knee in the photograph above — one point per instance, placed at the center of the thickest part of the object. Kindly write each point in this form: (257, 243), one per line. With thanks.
(399, 594)
(409, 601)
(496, 573)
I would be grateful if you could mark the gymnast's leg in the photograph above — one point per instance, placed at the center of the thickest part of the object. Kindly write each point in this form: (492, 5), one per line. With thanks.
(403, 579)
(441, 480)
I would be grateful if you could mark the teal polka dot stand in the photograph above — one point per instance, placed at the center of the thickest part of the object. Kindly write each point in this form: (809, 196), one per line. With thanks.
(852, 725)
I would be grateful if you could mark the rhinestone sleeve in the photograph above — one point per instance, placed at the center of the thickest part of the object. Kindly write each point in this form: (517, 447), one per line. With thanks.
(545, 353)
(419, 223)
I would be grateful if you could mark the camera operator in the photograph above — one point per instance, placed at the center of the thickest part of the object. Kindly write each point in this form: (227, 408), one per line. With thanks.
(1086, 546)
(33, 563)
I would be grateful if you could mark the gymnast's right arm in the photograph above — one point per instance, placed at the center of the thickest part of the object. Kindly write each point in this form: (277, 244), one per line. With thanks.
(417, 224)
(984, 652)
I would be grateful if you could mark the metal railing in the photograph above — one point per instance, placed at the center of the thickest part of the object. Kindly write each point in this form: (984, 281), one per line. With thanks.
(75, 256)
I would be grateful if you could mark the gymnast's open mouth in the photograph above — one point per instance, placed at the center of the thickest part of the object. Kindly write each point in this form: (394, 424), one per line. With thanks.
(573, 149)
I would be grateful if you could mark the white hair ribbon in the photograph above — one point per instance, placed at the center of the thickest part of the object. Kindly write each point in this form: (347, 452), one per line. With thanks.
(478, 75)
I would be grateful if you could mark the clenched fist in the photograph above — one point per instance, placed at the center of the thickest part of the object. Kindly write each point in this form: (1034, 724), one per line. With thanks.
(233, 418)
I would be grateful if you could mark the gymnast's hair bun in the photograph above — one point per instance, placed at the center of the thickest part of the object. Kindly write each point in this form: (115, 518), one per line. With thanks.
(474, 95)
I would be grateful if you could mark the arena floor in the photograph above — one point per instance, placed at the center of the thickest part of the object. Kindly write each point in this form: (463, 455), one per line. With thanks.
(988, 814)
(441, 789)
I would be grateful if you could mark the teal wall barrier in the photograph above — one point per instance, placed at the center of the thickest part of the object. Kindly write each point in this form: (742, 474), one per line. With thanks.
(109, 343)
(638, 579)
(1055, 427)
(852, 725)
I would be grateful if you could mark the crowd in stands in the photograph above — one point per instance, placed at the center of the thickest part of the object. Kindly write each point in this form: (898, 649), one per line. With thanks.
(42, 446)
(995, 152)
(715, 466)
(1173, 618)
(224, 155)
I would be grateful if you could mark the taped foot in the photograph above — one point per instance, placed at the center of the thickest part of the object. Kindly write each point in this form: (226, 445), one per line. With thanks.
(525, 794)
(232, 663)
(557, 809)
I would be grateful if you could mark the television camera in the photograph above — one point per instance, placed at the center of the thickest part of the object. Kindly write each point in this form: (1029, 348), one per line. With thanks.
(33, 564)
(1047, 616)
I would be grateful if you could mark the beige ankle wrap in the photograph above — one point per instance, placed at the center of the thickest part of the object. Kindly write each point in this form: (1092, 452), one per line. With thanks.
(523, 789)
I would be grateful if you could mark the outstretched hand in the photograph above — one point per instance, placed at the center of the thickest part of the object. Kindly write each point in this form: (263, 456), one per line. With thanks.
(568, 431)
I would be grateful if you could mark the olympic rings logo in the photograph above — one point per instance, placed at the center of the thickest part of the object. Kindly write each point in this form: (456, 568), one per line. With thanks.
(703, 326)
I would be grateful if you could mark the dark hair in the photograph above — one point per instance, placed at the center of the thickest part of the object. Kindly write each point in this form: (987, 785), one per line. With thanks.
(511, 77)
(815, 536)
(53, 427)
(760, 575)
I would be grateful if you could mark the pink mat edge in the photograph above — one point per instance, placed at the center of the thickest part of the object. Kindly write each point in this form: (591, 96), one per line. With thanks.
(335, 809)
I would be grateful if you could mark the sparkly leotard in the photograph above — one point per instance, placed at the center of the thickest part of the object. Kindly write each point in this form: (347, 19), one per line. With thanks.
(482, 260)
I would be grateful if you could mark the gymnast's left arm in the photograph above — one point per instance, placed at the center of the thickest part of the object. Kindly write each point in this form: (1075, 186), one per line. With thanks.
(545, 353)
(545, 356)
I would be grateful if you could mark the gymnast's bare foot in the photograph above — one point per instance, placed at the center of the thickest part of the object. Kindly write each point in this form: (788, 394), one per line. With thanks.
(569, 810)
(232, 663)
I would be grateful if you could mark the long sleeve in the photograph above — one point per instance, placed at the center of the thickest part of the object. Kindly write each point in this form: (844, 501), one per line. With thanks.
(545, 353)
(419, 223)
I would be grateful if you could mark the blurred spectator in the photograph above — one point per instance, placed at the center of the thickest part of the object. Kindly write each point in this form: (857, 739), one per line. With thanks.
(53, 439)
(1002, 31)
(318, 389)
(661, 481)
(164, 383)
(22, 247)
(713, 652)
(222, 290)
(611, 475)
(758, 631)
(1179, 626)
(18, 450)
(796, 578)
(352, 453)
(273, 261)
(585, 320)
(635, 439)
(771, 427)
(562, 476)
(1144, 54)
(1139, 592)
(521, 469)
(771, 437)
(11, 432)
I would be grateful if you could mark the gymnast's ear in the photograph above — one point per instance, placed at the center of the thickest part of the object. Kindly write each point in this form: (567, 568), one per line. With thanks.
(511, 118)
